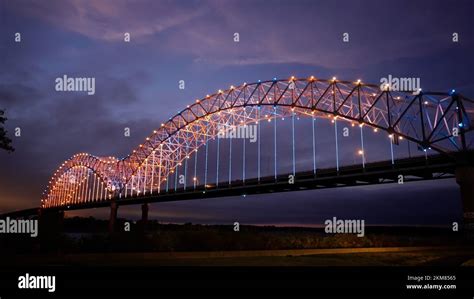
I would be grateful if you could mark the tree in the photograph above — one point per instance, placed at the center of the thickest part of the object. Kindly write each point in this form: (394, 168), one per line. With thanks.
(5, 142)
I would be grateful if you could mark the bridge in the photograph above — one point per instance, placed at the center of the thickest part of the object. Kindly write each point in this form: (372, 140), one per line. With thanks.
(308, 133)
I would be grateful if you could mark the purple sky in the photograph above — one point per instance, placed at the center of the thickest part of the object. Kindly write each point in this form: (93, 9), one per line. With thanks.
(137, 86)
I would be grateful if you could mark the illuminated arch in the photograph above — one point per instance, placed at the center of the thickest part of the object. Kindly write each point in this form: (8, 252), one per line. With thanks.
(429, 119)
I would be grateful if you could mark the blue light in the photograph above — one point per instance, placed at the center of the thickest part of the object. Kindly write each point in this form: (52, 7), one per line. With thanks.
(274, 79)
(259, 81)
(460, 125)
(452, 91)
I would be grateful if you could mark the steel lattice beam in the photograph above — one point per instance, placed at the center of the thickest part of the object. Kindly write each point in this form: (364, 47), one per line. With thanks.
(427, 119)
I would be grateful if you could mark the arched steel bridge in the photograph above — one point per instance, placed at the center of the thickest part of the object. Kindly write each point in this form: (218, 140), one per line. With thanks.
(437, 121)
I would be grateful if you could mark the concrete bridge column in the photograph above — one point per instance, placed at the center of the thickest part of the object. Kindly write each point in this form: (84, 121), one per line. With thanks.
(50, 226)
(465, 179)
(113, 216)
(50, 221)
(145, 209)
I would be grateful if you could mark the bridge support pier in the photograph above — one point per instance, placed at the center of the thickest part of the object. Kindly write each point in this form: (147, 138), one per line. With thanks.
(144, 222)
(50, 221)
(465, 179)
(50, 225)
(113, 216)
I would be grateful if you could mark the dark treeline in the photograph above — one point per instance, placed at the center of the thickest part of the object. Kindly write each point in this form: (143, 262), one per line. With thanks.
(91, 235)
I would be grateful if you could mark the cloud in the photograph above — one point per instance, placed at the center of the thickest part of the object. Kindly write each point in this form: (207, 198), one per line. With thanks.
(54, 126)
(282, 33)
(109, 20)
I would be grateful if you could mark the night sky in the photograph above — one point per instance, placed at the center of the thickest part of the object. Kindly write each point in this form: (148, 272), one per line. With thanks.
(137, 87)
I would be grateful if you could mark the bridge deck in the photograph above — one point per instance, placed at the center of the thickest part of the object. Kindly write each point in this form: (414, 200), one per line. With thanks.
(412, 169)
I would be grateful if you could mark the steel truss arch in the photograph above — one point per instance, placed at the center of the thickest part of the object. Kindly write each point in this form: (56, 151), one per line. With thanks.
(435, 120)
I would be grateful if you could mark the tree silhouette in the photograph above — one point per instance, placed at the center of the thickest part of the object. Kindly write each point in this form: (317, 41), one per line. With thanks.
(5, 142)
